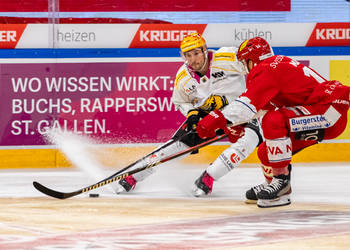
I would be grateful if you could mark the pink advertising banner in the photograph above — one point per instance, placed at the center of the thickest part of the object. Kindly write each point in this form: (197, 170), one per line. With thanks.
(114, 102)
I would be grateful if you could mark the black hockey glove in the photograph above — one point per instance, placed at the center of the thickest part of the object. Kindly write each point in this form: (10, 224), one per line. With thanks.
(193, 117)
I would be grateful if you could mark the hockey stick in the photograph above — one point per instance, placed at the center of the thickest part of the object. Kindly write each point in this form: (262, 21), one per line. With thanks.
(114, 177)
(170, 142)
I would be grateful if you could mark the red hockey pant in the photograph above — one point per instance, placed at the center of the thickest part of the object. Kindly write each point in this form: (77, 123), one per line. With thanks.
(275, 125)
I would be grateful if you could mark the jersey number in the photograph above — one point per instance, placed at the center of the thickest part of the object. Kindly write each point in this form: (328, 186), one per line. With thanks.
(310, 73)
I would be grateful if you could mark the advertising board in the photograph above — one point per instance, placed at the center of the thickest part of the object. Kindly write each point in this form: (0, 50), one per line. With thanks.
(114, 100)
(170, 35)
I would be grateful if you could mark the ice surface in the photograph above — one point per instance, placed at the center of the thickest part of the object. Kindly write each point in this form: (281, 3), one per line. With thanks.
(315, 183)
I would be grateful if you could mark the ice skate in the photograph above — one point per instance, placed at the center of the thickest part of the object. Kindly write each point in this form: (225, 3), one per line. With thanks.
(251, 194)
(203, 185)
(277, 193)
(125, 185)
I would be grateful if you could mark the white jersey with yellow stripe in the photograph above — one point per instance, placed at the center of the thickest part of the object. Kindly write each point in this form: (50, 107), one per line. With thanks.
(224, 78)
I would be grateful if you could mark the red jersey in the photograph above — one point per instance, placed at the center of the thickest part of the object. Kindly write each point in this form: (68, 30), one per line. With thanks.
(284, 82)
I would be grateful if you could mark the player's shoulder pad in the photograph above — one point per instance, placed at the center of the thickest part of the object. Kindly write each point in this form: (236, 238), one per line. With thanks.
(182, 75)
(225, 54)
(225, 58)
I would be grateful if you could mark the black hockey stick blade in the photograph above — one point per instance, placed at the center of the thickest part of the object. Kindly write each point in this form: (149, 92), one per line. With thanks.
(63, 195)
(114, 177)
(53, 193)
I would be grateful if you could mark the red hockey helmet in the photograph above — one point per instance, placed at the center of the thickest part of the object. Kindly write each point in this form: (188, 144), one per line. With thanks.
(256, 49)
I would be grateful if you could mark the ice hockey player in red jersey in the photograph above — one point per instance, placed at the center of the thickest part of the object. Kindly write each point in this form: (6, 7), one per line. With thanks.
(299, 107)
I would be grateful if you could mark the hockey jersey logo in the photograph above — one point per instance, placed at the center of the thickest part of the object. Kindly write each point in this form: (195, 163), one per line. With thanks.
(190, 88)
(219, 74)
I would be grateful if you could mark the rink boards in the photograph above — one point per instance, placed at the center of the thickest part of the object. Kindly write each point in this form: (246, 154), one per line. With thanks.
(120, 99)
(118, 157)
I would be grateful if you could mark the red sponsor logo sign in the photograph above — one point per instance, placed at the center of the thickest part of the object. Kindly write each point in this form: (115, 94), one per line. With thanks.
(10, 35)
(330, 34)
(163, 35)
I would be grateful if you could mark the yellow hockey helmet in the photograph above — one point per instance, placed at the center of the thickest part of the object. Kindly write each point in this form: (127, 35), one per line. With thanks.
(192, 41)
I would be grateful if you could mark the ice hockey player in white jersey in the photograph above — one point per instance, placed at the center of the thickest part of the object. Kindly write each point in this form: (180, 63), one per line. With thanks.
(208, 80)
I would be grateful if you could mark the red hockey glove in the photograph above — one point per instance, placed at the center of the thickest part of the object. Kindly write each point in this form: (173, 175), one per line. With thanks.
(234, 132)
(207, 127)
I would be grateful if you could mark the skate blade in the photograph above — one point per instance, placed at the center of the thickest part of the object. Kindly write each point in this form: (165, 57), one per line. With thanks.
(197, 192)
(248, 201)
(118, 189)
(281, 201)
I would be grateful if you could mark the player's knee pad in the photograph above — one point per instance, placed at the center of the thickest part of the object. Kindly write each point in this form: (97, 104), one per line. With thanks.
(263, 155)
(274, 125)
